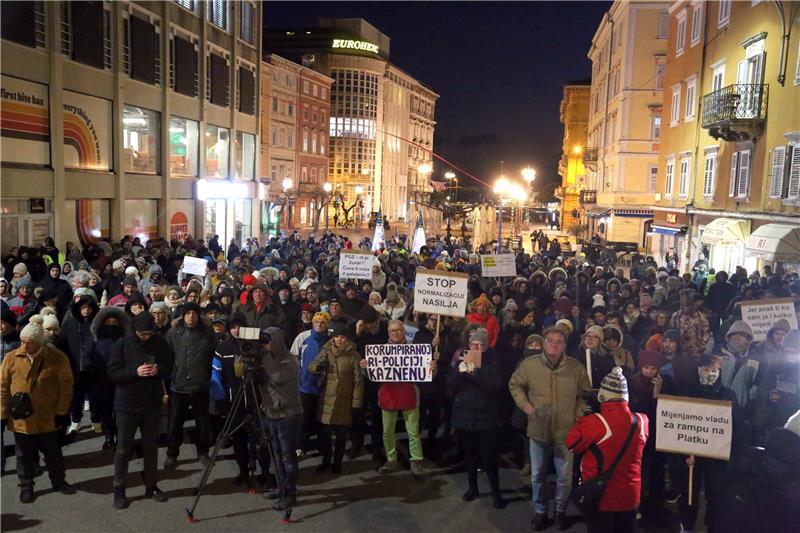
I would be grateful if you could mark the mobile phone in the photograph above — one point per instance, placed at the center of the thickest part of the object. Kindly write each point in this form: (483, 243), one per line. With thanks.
(151, 360)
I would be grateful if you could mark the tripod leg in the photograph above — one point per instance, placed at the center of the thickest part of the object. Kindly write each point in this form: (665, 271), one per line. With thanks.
(224, 433)
(265, 438)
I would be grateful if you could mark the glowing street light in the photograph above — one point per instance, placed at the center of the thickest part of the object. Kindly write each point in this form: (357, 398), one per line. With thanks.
(528, 174)
(425, 168)
(450, 175)
(327, 187)
(359, 189)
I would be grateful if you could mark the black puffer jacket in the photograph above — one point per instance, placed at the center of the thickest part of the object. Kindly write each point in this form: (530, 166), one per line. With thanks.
(194, 350)
(475, 396)
(281, 386)
(136, 394)
(77, 333)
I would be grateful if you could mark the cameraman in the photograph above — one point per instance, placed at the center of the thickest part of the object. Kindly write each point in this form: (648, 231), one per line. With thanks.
(223, 368)
(283, 411)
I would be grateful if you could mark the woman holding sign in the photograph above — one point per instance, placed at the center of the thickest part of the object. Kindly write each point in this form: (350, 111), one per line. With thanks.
(475, 412)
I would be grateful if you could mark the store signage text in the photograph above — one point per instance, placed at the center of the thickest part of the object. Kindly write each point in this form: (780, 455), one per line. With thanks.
(355, 45)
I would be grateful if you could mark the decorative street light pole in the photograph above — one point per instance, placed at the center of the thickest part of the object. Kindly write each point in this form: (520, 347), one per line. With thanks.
(529, 174)
(287, 185)
(506, 192)
(328, 188)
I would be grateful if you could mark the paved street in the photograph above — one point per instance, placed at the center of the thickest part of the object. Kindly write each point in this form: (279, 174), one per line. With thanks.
(359, 500)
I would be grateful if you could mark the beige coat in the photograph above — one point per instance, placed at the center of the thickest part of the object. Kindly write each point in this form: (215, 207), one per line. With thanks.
(344, 385)
(50, 397)
(556, 394)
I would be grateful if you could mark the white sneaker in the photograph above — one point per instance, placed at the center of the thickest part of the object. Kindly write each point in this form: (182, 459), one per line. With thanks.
(73, 428)
(86, 405)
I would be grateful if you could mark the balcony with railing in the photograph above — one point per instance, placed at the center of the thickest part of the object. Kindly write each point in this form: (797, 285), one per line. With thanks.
(590, 158)
(736, 112)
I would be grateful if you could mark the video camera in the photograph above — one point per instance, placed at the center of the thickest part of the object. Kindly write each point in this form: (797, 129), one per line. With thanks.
(249, 341)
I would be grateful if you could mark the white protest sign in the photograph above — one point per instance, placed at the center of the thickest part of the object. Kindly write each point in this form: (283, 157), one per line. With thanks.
(399, 362)
(355, 264)
(498, 265)
(693, 426)
(761, 315)
(440, 293)
(195, 265)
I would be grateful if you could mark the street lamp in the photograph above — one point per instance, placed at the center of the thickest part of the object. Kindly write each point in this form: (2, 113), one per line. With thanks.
(287, 185)
(529, 174)
(506, 192)
(328, 188)
(359, 190)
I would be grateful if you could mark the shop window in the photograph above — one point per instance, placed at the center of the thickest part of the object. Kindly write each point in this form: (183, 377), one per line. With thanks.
(217, 150)
(245, 156)
(141, 139)
(183, 146)
(184, 77)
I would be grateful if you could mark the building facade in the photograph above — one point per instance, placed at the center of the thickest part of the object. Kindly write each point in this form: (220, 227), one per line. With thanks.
(729, 170)
(621, 159)
(574, 115)
(372, 122)
(155, 126)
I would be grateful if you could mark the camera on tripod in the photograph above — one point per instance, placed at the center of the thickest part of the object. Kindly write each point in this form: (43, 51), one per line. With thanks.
(248, 362)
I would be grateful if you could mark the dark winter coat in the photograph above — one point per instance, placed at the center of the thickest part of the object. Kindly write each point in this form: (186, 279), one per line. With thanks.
(77, 333)
(136, 394)
(193, 349)
(475, 405)
(281, 385)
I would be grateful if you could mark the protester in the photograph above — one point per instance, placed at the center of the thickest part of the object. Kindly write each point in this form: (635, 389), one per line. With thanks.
(549, 389)
(607, 434)
(43, 377)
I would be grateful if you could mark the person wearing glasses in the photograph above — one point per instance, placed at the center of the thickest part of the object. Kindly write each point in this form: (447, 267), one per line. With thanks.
(549, 388)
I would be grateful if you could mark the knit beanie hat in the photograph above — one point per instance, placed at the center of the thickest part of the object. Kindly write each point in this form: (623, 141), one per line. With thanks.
(565, 325)
(480, 335)
(564, 306)
(160, 305)
(598, 301)
(118, 264)
(614, 387)
(131, 271)
(21, 269)
(596, 330)
(144, 322)
(130, 281)
(85, 291)
(24, 282)
(34, 330)
(481, 300)
(191, 306)
(655, 343)
(649, 357)
(50, 321)
(392, 296)
(511, 305)
(322, 315)
(341, 330)
(741, 327)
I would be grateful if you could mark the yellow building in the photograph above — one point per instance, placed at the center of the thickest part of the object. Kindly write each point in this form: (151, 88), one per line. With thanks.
(621, 159)
(574, 114)
(729, 168)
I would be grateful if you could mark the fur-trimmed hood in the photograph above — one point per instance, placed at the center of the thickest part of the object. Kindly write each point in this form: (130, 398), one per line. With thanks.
(106, 312)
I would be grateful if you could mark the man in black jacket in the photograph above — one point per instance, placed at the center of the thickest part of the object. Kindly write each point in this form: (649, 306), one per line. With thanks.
(138, 365)
(193, 344)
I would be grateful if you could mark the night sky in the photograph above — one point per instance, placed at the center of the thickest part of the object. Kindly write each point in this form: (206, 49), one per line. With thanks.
(498, 67)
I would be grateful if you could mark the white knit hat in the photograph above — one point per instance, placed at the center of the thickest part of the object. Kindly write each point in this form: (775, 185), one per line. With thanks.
(613, 387)
(131, 271)
(50, 321)
(118, 264)
(34, 330)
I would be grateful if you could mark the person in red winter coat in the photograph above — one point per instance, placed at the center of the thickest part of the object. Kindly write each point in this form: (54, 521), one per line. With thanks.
(482, 316)
(607, 431)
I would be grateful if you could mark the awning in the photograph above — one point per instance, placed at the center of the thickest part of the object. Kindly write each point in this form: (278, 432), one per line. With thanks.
(726, 232)
(775, 242)
(667, 229)
(598, 212)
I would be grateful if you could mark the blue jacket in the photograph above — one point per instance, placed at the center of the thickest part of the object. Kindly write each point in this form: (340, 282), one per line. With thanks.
(307, 346)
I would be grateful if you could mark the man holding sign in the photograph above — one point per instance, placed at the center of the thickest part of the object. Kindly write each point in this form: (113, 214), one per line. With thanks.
(692, 433)
(399, 396)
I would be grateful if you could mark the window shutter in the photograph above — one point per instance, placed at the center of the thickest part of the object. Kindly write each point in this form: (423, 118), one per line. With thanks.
(219, 80)
(143, 65)
(732, 183)
(708, 176)
(776, 173)
(87, 20)
(18, 23)
(743, 185)
(794, 174)
(185, 65)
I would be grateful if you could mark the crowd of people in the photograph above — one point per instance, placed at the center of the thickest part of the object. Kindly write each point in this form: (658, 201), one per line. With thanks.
(150, 346)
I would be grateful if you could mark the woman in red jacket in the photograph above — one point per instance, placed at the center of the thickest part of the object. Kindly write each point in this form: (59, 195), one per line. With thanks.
(482, 316)
(607, 431)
